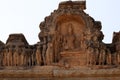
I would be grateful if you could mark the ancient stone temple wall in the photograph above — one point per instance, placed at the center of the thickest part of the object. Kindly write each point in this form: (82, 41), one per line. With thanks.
(16, 52)
(69, 37)
(72, 32)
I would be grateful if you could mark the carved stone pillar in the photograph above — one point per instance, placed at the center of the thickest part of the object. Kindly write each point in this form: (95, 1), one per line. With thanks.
(96, 56)
(25, 59)
(15, 57)
(1, 57)
(49, 54)
(56, 48)
(19, 56)
(10, 55)
(8, 58)
(30, 52)
(114, 58)
(108, 58)
(38, 56)
(22, 57)
(44, 51)
(29, 61)
(5, 52)
(90, 56)
(102, 57)
(93, 55)
(118, 58)
(33, 57)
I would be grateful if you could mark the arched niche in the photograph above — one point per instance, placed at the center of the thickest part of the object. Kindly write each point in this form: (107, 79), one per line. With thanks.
(77, 22)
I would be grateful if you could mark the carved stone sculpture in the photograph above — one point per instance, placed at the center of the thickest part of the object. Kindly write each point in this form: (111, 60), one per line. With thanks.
(22, 57)
(10, 57)
(5, 52)
(49, 54)
(69, 37)
(44, 51)
(38, 56)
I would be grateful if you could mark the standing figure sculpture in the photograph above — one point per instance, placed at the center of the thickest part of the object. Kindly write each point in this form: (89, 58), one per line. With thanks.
(70, 38)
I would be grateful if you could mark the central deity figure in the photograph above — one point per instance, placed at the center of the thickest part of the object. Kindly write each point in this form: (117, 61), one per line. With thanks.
(70, 38)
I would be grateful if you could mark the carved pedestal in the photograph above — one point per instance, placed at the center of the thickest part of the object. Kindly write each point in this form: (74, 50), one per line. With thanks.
(74, 58)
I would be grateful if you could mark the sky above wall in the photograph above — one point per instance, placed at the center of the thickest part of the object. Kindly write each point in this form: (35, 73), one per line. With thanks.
(24, 16)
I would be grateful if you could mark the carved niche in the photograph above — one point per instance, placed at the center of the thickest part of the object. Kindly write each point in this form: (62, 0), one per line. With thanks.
(71, 29)
(71, 32)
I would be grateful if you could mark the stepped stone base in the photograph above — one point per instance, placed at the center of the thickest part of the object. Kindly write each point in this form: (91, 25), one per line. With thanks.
(55, 72)
(73, 58)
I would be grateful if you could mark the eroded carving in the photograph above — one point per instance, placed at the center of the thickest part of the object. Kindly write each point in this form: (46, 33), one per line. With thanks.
(69, 37)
